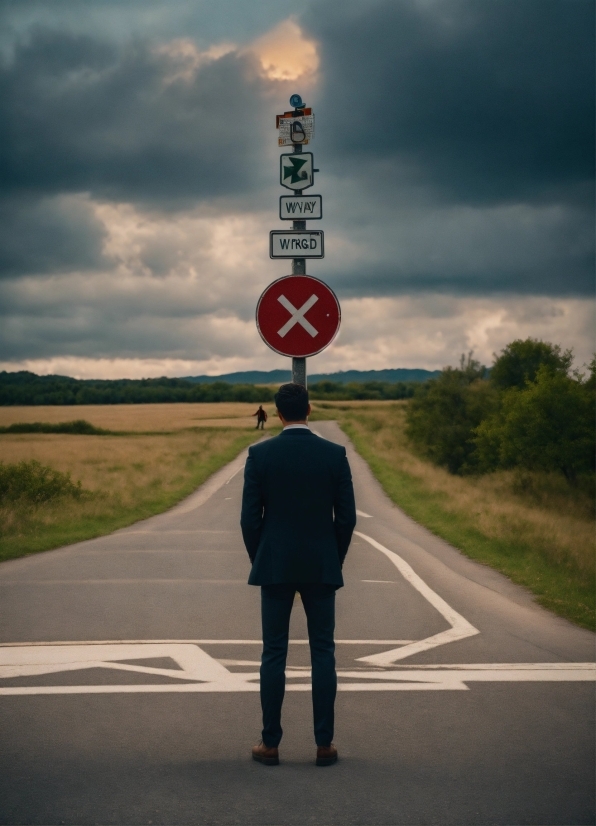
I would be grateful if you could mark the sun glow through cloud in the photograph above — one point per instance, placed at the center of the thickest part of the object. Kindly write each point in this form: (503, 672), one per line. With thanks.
(285, 53)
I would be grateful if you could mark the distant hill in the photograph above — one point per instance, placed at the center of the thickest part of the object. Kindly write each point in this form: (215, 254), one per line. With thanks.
(343, 377)
(25, 388)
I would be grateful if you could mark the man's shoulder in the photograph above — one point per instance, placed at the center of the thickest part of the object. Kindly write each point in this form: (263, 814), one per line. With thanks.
(309, 441)
(331, 447)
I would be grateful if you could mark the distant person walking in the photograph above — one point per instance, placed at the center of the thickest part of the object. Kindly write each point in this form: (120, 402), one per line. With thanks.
(261, 417)
(298, 515)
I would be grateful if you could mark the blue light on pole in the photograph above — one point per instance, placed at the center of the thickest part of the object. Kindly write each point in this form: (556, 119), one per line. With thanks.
(296, 102)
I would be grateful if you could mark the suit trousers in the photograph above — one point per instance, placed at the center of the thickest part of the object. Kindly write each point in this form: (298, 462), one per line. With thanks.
(276, 606)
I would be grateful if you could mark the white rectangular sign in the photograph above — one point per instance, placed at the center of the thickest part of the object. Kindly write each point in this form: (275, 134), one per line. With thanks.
(296, 244)
(285, 127)
(300, 207)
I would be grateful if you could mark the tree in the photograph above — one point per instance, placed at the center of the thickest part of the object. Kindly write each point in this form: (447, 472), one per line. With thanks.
(548, 425)
(442, 417)
(520, 361)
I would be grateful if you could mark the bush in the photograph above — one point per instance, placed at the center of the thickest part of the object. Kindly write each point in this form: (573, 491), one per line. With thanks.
(549, 425)
(79, 427)
(534, 414)
(444, 413)
(34, 483)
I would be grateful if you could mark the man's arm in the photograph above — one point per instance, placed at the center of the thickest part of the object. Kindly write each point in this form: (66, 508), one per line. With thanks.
(251, 518)
(344, 509)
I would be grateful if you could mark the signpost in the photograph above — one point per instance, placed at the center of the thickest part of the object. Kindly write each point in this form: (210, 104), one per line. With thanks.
(297, 315)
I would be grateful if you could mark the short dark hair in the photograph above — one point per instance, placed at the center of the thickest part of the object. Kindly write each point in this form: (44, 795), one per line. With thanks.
(292, 402)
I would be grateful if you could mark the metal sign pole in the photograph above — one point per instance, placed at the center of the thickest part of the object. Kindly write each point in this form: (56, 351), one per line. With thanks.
(299, 268)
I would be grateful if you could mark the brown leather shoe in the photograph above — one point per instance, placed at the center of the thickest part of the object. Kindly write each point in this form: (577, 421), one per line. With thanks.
(264, 754)
(326, 755)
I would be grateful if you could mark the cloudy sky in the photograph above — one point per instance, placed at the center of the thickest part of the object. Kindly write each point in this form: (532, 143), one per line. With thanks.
(139, 178)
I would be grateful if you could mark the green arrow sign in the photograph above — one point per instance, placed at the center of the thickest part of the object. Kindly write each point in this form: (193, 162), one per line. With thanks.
(293, 172)
(296, 170)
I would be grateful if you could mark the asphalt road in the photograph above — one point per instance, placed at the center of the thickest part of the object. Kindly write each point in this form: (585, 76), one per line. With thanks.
(129, 683)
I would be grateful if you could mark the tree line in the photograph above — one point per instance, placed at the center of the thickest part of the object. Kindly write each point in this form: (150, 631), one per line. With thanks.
(531, 411)
(25, 388)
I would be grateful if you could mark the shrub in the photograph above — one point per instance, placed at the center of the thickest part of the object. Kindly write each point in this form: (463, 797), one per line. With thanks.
(79, 426)
(34, 483)
(444, 413)
(548, 426)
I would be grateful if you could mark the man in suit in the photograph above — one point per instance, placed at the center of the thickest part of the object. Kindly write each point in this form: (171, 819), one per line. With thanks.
(298, 515)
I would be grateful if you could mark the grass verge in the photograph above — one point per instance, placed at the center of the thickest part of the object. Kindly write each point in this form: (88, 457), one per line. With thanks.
(124, 479)
(535, 529)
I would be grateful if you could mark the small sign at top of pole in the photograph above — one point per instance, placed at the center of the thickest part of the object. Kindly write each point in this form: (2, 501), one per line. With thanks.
(297, 126)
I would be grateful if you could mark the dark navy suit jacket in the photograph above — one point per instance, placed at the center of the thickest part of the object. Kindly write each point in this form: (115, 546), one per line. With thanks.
(298, 510)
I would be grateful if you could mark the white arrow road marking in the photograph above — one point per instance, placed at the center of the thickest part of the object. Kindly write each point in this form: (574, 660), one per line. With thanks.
(202, 673)
(460, 627)
(297, 315)
(195, 664)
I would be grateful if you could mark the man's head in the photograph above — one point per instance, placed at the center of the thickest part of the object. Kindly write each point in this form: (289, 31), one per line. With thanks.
(292, 404)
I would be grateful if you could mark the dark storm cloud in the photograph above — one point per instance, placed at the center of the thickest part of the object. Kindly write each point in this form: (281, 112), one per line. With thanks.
(120, 122)
(384, 280)
(52, 235)
(97, 317)
(482, 101)
(204, 20)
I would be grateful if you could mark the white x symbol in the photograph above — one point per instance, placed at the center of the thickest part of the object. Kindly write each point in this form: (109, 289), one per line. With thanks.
(297, 315)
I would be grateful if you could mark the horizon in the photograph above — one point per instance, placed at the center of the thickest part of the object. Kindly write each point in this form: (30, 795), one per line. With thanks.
(287, 370)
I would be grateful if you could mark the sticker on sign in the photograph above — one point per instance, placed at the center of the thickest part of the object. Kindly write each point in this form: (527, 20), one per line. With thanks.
(296, 244)
(285, 129)
(300, 207)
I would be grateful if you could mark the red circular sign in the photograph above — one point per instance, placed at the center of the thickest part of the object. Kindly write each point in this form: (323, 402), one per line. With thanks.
(298, 315)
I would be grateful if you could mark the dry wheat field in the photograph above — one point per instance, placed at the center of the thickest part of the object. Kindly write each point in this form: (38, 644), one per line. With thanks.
(156, 455)
(140, 417)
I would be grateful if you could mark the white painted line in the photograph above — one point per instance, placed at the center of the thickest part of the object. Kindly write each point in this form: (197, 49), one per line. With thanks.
(203, 673)
(387, 581)
(211, 486)
(121, 581)
(193, 662)
(460, 627)
(397, 680)
(239, 662)
(304, 669)
(505, 667)
(361, 513)
(158, 532)
(188, 642)
(235, 473)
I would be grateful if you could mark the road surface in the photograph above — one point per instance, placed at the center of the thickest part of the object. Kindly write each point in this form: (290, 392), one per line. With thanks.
(129, 683)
